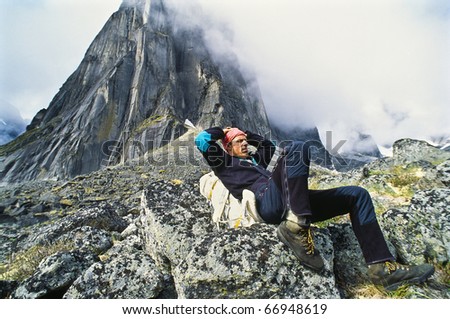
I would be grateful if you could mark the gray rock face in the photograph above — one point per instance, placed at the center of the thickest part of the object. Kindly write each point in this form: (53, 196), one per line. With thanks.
(422, 231)
(54, 275)
(233, 263)
(443, 173)
(410, 151)
(126, 273)
(142, 232)
(139, 80)
(86, 228)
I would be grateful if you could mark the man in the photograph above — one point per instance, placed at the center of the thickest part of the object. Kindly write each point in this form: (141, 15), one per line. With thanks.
(282, 197)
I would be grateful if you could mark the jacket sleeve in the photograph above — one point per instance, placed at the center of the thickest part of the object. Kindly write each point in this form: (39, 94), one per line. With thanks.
(206, 142)
(264, 148)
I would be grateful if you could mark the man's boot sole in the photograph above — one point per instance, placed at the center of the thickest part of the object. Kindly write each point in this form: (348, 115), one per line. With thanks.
(411, 281)
(287, 243)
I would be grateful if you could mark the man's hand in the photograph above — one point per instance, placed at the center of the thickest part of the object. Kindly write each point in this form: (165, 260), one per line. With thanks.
(226, 130)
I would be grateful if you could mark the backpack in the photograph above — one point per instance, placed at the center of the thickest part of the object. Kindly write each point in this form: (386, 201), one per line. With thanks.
(228, 210)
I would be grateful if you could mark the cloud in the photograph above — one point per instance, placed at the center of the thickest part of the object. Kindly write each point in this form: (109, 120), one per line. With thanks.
(379, 67)
(11, 122)
(42, 43)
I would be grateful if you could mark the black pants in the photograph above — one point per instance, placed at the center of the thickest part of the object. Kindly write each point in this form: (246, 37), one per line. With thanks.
(323, 204)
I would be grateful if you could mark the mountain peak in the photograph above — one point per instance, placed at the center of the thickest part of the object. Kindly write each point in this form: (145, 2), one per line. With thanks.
(139, 80)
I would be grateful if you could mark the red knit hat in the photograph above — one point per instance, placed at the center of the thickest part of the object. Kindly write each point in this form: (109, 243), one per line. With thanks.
(231, 134)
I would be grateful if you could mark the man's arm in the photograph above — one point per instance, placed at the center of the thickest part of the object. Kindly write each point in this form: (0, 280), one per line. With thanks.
(206, 142)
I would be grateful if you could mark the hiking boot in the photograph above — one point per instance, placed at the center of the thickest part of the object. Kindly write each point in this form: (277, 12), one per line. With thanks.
(302, 245)
(391, 275)
(295, 221)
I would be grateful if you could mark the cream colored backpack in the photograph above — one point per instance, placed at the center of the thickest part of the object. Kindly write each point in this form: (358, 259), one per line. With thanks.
(228, 210)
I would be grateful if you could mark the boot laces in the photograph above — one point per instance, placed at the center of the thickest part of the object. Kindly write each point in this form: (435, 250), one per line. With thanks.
(307, 240)
(393, 266)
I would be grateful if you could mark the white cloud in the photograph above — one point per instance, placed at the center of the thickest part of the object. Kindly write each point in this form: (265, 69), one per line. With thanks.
(42, 43)
(346, 65)
(379, 66)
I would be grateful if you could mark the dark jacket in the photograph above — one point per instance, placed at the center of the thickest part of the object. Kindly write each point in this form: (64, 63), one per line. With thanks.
(235, 173)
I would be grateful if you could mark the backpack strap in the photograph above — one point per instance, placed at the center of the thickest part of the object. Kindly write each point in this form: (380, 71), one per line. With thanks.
(219, 205)
(249, 205)
(279, 152)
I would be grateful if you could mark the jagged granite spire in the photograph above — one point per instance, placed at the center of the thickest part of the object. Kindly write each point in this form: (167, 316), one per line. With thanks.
(139, 80)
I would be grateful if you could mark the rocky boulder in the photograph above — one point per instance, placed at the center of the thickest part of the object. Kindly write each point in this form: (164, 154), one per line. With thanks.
(421, 232)
(87, 227)
(207, 262)
(55, 275)
(410, 151)
(124, 272)
(139, 231)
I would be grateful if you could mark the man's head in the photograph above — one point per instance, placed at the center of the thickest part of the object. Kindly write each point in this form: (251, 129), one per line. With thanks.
(235, 142)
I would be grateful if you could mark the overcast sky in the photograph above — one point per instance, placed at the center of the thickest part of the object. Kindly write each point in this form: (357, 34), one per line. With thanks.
(377, 66)
(42, 42)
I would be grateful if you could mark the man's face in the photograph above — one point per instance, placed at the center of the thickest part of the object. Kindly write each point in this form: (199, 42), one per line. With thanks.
(238, 147)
